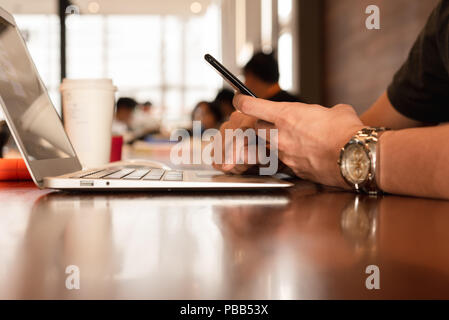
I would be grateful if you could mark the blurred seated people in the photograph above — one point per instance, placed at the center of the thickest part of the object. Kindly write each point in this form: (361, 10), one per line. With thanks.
(123, 115)
(8, 147)
(224, 102)
(208, 113)
(144, 121)
(146, 106)
(262, 78)
(4, 136)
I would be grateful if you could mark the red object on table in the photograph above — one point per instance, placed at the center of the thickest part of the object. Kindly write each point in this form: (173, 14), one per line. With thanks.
(116, 148)
(14, 169)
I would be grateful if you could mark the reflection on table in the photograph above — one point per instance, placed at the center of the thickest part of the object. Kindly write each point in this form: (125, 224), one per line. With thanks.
(307, 242)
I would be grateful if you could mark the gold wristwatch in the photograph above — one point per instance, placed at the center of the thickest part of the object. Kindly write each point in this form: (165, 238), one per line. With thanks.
(359, 160)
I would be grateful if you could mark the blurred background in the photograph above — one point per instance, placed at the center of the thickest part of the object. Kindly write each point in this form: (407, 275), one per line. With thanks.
(153, 50)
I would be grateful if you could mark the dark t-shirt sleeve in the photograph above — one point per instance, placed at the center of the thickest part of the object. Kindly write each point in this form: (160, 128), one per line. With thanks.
(420, 89)
(284, 96)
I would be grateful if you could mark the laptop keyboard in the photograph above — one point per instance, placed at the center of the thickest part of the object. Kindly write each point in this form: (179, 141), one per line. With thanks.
(146, 174)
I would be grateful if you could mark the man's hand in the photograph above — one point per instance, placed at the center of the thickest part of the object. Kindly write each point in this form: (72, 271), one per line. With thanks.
(237, 120)
(309, 136)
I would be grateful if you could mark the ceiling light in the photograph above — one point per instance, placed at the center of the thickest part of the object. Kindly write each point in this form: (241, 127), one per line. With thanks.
(196, 7)
(93, 7)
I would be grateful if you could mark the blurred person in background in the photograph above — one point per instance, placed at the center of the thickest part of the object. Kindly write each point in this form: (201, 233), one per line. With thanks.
(224, 101)
(262, 78)
(146, 106)
(4, 136)
(144, 121)
(8, 147)
(121, 125)
(124, 111)
(208, 113)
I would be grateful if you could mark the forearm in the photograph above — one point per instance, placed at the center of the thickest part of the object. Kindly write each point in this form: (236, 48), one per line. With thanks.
(415, 162)
(383, 114)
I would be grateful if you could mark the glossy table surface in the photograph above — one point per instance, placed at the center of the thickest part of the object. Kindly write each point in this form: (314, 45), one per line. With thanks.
(303, 243)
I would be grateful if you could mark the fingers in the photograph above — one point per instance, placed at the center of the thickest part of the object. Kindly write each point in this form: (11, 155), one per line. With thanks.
(262, 124)
(239, 169)
(238, 160)
(259, 108)
(262, 109)
(267, 126)
(238, 163)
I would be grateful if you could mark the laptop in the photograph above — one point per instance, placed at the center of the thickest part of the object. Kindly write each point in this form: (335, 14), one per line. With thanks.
(48, 152)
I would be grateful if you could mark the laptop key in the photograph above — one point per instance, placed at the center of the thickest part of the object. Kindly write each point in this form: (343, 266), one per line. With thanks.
(81, 174)
(119, 174)
(156, 178)
(173, 176)
(100, 174)
(174, 173)
(157, 171)
(154, 174)
(137, 175)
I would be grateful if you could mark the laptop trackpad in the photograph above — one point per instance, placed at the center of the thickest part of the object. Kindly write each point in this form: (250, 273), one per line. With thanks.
(208, 174)
(218, 176)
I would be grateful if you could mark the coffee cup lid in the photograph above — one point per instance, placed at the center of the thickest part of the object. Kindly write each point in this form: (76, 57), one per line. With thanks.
(105, 84)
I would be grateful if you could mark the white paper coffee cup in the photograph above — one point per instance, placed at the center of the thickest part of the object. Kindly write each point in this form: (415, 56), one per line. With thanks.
(88, 109)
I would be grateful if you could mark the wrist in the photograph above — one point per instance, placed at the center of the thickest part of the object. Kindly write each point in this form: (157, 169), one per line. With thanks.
(380, 172)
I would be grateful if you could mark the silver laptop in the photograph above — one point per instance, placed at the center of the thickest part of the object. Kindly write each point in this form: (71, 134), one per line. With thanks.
(48, 153)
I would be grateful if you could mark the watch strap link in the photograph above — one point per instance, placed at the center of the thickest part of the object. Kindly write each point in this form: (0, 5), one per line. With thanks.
(370, 136)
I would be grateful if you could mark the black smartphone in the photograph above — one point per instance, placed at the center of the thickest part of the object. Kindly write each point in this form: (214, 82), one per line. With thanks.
(228, 76)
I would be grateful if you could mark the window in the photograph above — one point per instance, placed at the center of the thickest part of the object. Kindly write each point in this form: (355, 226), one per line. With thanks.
(149, 57)
(285, 47)
(285, 44)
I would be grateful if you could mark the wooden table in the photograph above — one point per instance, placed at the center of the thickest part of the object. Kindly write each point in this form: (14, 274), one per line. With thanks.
(307, 242)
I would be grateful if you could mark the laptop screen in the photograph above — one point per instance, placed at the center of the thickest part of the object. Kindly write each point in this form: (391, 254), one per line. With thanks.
(26, 101)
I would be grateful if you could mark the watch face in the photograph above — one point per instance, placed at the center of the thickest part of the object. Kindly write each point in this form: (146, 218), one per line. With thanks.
(355, 163)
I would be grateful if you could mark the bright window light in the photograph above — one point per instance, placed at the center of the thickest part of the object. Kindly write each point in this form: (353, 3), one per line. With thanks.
(284, 10)
(267, 25)
(285, 57)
